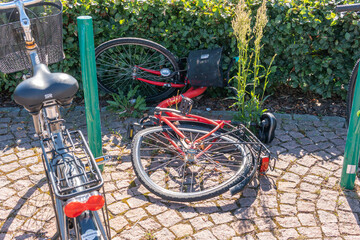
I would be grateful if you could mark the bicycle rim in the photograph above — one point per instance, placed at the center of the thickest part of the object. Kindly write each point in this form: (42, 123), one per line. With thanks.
(173, 171)
(116, 63)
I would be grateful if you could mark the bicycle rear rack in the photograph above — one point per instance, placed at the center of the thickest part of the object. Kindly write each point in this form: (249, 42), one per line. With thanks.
(258, 149)
(71, 166)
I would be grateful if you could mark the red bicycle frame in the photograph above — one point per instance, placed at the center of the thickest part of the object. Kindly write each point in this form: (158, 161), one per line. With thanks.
(161, 84)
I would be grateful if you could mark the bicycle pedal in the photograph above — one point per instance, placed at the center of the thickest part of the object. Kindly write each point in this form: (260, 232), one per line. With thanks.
(102, 160)
(186, 105)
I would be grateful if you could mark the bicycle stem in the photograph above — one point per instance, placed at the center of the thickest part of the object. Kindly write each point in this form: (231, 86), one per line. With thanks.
(31, 46)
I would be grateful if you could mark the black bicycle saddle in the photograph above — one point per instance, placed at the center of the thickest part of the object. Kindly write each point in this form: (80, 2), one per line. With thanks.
(44, 86)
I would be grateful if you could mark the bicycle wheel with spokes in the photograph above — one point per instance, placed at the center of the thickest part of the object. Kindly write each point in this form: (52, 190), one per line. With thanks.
(120, 63)
(172, 169)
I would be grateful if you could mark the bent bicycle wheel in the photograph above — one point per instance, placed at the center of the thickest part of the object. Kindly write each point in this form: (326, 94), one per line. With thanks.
(120, 63)
(351, 90)
(172, 169)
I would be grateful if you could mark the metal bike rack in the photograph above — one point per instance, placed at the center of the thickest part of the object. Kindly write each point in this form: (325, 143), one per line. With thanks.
(91, 96)
(352, 147)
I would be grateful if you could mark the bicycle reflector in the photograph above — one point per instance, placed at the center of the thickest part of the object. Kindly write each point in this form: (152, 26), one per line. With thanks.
(264, 164)
(76, 206)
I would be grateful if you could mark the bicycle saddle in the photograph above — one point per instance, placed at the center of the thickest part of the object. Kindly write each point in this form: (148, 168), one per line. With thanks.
(44, 86)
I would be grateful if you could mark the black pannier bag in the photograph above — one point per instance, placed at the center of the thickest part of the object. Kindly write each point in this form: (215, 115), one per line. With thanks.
(204, 68)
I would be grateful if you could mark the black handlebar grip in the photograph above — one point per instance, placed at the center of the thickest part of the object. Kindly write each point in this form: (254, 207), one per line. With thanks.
(348, 8)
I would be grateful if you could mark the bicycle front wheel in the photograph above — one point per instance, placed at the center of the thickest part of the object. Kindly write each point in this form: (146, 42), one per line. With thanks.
(351, 90)
(174, 170)
(121, 62)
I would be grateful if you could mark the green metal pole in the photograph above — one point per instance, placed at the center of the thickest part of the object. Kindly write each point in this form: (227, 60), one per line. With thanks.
(352, 147)
(88, 70)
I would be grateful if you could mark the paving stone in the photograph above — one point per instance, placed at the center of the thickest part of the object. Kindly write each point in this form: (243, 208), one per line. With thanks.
(288, 198)
(245, 213)
(9, 167)
(307, 161)
(313, 179)
(135, 233)
(309, 187)
(6, 193)
(326, 204)
(164, 234)
(288, 222)
(118, 223)
(247, 202)
(307, 219)
(227, 205)
(135, 214)
(303, 206)
(330, 230)
(32, 224)
(118, 208)
(223, 231)
(137, 201)
(348, 217)
(12, 224)
(348, 204)
(201, 222)
(149, 224)
(268, 201)
(223, 217)
(19, 174)
(25, 154)
(349, 229)
(266, 236)
(267, 212)
(206, 207)
(307, 196)
(286, 209)
(168, 218)
(182, 230)
(291, 177)
(265, 224)
(310, 232)
(286, 186)
(204, 235)
(188, 212)
(298, 169)
(286, 234)
(326, 217)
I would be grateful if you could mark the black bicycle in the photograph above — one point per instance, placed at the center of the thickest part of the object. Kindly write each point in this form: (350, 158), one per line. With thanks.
(31, 38)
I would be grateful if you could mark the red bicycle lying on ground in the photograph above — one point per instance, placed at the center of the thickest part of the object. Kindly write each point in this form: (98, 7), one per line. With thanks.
(177, 155)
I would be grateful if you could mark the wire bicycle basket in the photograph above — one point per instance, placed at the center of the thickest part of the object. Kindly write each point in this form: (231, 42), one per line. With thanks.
(46, 28)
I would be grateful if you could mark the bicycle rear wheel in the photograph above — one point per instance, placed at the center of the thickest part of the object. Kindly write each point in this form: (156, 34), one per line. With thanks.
(167, 167)
(351, 90)
(117, 63)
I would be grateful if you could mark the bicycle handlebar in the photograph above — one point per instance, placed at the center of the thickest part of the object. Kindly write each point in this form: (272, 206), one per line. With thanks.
(348, 8)
(12, 4)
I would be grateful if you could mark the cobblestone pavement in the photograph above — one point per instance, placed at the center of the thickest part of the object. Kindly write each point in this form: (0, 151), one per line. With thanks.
(301, 199)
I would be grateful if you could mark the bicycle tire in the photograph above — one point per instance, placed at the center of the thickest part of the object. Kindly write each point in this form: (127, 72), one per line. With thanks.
(351, 89)
(125, 54)
(206, 185)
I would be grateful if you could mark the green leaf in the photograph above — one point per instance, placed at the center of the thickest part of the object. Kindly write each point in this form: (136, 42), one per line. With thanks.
(347, 36)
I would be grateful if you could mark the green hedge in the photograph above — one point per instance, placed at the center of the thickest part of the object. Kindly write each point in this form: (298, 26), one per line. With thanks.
(316, 48)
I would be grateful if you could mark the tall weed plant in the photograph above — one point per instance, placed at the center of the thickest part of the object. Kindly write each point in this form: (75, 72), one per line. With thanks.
(252, 77)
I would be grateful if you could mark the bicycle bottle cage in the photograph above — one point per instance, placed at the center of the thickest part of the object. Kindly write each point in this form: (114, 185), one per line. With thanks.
(46, 29)
(186, 105)
(204, 68)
